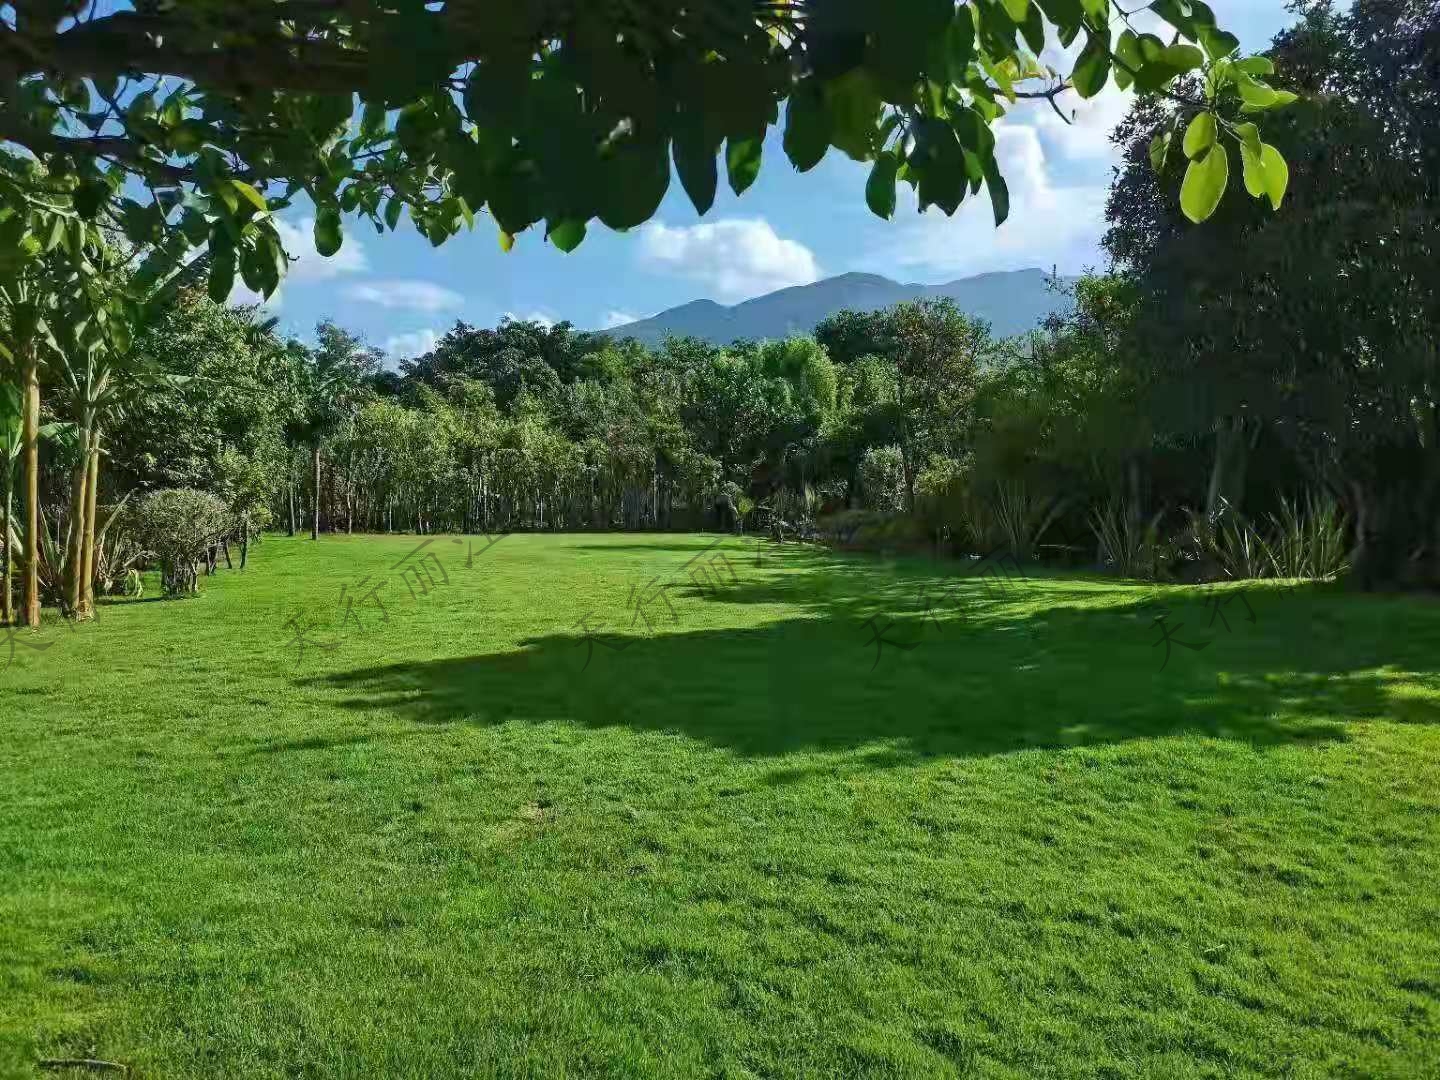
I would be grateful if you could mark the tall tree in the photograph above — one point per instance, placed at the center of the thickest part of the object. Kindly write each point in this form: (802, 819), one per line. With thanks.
(335, 374)
(1321, 339)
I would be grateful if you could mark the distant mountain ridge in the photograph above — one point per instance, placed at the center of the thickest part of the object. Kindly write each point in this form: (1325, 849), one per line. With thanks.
(1012, 302)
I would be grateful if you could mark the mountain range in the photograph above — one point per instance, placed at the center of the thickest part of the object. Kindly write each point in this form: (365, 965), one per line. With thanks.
(1012, 302)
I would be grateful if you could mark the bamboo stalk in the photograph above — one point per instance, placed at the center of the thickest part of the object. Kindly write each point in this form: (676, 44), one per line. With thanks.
(31, 441)
(89, 555)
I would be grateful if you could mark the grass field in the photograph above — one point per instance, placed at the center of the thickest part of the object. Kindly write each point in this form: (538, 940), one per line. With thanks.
(739, 842)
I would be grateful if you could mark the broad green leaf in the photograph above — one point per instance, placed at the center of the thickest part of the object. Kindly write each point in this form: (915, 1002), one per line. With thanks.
(634, 182)
(1200, 135)
(999, 192)
(1033, 30)
(512, 200)
(938, 163)
(1259, 66)
(959, 44)
(694, 156)
(880, 187)
(1253, 92)
(1218, 43)
(89, 197)
(55, 233)
(807, 125)
(1252, 159)
(328, 236)
(1160, 149)
(1168, 64)
(1277, 174)
(854, 113)
(567, 234)
(1128, 60)
(1067, 15)
(393, 209)
(1204, 186)
(742, 161)
(250, 195)
(1092, 69)
(1016, 9)
(188, 136)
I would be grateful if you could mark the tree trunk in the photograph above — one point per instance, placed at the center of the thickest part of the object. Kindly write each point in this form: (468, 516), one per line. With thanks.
(89, 554)
(291, 531)
(7, 604)
(244, 540)
(1227, 473)
(315, 508)
(31, 442)
(75, 527)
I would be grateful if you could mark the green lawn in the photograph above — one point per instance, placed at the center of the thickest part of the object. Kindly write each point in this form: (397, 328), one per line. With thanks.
(730, 847)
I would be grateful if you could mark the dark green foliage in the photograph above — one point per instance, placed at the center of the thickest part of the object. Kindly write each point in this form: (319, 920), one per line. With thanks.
(1317, 350)
(557, 112)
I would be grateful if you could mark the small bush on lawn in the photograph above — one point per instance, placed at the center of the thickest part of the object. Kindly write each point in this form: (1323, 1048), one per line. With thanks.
(178, 525)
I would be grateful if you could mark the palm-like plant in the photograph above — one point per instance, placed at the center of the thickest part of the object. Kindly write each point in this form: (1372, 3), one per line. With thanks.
(1019, 519)
(332, 386)
(35, 289)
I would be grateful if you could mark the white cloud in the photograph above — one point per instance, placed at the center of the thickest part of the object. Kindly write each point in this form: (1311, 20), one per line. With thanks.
(308, 264)
(618, 318)
(415, 343)
(1087, 135)
(544, 318)
(241, 296)
(1048, 223)
(405, 294)
(736, 259)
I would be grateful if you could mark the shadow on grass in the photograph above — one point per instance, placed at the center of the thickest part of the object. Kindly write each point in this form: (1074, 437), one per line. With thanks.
(961, 668)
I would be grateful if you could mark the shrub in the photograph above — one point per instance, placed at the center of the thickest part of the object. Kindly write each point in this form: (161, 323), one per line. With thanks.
(942, 501)
(1309, 541)
(1130, 546)
(1231, 543)
(178, 525)
(882, 479)
(1015, 520)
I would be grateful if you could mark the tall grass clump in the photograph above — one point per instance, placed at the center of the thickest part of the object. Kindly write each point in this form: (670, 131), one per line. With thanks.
(1129, 544)
(1309, 540)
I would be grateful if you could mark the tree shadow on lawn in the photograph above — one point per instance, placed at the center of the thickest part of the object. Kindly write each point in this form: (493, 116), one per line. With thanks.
(941, 665)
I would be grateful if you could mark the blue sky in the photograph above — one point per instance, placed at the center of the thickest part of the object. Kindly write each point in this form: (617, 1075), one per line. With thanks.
(788, 229)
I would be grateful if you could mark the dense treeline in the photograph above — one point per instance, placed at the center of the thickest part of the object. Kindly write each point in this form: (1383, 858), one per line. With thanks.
(533, 427)
(1255, 397)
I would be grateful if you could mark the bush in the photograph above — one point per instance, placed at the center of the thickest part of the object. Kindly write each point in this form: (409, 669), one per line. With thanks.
(1309, 541)
(1130, 545)
(942, 501)
(1014, 520)
(178, 525)
(1305, 540)
(882, 479)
